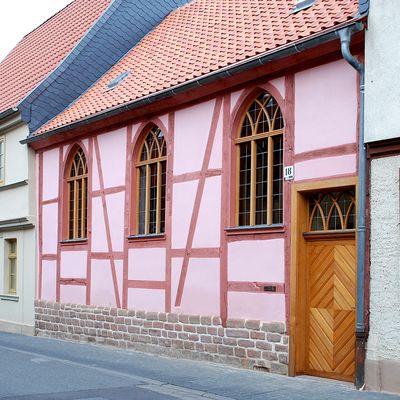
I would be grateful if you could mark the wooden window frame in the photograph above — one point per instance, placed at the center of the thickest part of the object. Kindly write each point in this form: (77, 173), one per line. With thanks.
(79, 220)
(161, 165)
(3, 165)
(252, 139)
(11, 257)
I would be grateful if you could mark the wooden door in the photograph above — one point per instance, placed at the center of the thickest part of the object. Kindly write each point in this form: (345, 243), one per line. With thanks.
(330, 311)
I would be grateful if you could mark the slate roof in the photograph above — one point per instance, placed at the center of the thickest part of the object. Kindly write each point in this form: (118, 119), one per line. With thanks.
(119, 28)
(201, 37)
(39, 52)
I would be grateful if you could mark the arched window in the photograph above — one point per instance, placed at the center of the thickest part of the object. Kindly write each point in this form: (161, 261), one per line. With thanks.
(260, 164)
(333, 211)
(77, 195)
(151, 169)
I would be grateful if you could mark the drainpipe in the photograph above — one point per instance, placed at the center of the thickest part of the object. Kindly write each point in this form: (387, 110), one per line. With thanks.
(345, 39)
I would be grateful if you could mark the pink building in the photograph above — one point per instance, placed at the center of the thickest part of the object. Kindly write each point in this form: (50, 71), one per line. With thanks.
(200, 198)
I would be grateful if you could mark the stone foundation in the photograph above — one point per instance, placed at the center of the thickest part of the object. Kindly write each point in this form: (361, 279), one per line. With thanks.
(242, 343)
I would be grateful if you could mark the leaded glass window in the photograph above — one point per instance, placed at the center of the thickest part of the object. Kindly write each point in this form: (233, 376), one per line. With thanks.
(332, 211)
(77, 196)
(151, 170)
(260, 164)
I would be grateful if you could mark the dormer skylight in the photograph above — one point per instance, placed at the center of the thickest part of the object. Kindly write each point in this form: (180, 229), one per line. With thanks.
(116, 81)
(302, 5)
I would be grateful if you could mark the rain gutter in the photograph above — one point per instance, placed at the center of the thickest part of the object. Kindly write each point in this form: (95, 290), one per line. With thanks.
(345, 39)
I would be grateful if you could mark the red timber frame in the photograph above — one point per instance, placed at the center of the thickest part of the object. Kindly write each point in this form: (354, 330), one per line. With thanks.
(230, 125)
(231, 117)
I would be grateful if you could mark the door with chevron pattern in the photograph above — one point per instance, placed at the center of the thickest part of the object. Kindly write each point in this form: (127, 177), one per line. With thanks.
(331, 291)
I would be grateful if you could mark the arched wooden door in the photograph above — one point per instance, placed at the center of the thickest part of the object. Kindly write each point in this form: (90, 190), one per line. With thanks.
(330, 286)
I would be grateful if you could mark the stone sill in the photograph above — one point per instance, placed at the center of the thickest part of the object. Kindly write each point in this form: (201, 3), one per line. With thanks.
(9, 297)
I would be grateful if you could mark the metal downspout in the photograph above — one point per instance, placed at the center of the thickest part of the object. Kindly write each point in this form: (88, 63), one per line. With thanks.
(345, 39)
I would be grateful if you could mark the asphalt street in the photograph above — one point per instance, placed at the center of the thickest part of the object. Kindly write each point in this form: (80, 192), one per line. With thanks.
(34, 368)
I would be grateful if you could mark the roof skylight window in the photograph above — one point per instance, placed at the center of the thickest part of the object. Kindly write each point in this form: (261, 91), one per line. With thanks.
(116, 81)
(302, 5)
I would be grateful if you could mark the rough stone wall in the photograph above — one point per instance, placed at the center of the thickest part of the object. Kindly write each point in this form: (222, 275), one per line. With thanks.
(242, 343)
(382, 368)
(384, 337)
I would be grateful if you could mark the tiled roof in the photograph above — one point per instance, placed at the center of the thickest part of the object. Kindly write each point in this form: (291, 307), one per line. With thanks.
(202, 37)
(43, 49)
(118, 30)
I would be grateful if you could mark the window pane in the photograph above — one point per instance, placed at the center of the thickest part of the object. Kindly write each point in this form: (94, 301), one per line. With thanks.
(244, 183)
(261, 181)
(79, 209)
(163, 193)
(263, 124)
(317, 221)
(277, 186)
(246, 127)
(142, 200)
(153, 199)
(351, 220)
(334, 221)
(12, 275)
(71, 186)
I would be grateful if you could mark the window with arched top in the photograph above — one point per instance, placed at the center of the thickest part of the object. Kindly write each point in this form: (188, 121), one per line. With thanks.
(334, 211)
(260, 164)
(151, 170)
(77, 183)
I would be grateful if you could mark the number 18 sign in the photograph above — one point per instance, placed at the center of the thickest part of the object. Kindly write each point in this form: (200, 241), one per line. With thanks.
(288, 173)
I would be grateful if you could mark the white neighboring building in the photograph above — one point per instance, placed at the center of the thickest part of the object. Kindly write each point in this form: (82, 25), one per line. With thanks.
(382, 135)
(17, 222)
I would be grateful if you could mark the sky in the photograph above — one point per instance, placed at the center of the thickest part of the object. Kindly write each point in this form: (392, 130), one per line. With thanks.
(19, 17)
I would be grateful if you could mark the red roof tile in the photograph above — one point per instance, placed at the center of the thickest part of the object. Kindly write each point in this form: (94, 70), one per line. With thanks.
(201, 37)
(39, 52)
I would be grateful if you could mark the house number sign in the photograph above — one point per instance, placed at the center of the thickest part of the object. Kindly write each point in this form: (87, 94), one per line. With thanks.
(288, 173)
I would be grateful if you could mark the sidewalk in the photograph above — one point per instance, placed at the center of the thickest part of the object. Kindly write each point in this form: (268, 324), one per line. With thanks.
(46, 369)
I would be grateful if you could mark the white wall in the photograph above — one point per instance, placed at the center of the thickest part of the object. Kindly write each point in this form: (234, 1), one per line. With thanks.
(19, 202)
(16, 160)
(384, 339)
(382, 60)
(17, 314)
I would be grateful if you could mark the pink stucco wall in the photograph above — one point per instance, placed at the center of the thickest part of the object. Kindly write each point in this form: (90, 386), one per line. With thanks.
(49, 277)
(102, 287)
(112, 147)
(73, 264)
(326, 106)
(147, 264)
(208, 229)
(201, 294)
(325, 167)
(183, 200)
(325, 116)
(266, 265)
(191, 138)
(115, 209)
(51, 164)
(49, 227)
(146, 299)
(73, 294)
(99, 236)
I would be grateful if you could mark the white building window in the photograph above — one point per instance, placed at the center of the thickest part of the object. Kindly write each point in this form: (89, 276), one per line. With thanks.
(11, 266)
(2, 157)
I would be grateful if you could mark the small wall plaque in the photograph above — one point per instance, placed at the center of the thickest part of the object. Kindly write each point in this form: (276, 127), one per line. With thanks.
(270, 288)
(288, 173)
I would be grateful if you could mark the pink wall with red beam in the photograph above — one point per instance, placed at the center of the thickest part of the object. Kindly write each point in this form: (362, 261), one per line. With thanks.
(198, 266)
